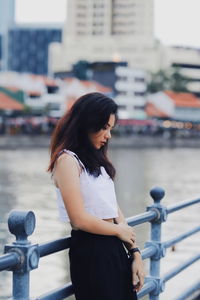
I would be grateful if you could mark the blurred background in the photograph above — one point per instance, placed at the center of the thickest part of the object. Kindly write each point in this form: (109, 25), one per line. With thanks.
(145, 54)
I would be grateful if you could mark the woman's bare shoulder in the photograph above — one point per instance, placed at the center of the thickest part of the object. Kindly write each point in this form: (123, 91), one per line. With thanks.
(66, 162)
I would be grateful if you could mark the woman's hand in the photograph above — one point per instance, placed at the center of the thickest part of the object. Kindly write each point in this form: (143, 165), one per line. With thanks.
(138, 273)
(126, 234)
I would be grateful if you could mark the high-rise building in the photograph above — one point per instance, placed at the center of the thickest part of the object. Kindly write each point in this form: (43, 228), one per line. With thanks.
(28, 48)
(108, 30)
(7, 19)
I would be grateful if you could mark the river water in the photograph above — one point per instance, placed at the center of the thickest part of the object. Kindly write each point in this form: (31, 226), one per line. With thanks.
(25, 185)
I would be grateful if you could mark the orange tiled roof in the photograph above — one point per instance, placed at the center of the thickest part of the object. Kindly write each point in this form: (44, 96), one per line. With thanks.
(90, 84)
(152, 111)
(99, 87)
(183, 99)
(7, 102)
(68, 79)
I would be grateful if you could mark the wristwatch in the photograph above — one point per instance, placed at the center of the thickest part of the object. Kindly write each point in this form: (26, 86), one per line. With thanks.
(133, 250)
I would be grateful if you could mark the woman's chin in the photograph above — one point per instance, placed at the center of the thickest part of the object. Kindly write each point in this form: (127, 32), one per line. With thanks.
(99, 146)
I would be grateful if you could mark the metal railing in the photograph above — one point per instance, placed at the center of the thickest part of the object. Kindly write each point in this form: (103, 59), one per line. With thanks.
(21, 257)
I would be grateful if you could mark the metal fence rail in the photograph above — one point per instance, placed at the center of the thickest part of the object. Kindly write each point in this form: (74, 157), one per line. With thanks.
(190, 291)
(21, 257)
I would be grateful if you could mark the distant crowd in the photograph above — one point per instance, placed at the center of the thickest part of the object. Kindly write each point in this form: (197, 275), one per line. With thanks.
(27, 125)
(44, 125)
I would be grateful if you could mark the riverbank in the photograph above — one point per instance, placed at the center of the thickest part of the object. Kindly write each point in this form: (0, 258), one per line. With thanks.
(135, 141)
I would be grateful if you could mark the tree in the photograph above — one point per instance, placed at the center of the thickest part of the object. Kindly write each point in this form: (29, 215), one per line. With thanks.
(158, 81)
(80, 69)
(178, 82)
(170, 79)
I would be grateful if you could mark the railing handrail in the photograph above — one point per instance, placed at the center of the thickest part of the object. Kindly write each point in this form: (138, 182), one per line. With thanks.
(9, 260)
(180, 268)
(54, 246)
(187, 293)
(181, 204)
(142, 218)
(181, 237)
(21, 257)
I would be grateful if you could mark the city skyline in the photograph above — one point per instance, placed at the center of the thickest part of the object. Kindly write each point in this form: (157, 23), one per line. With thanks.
(171, 19)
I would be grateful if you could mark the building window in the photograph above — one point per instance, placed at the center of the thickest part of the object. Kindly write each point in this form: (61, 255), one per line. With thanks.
(139, 79)
(123, 107)
(97, 32)
(78, 32)
(81, 24)
(81, 15)
(122, 93)
(141, 94)
(81, 6)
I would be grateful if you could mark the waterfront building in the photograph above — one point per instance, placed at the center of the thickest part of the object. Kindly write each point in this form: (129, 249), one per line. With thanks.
(40, 92)
(28, 48)
(102, 72)
(130, 85)
(107, 30)
(127, 85)
(11, 100)
(74, 88)
(61, 94)
(187, 60)
(171, 105)
(52, 95)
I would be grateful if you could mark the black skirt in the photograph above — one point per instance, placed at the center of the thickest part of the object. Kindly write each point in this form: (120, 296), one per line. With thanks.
(100, 267)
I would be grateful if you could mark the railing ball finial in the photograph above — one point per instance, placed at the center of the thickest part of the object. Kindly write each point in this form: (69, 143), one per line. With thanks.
(21, 224)
(157, 193)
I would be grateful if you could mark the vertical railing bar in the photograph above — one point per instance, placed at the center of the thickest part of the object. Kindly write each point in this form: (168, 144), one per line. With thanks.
(22, 224)
(157, 194)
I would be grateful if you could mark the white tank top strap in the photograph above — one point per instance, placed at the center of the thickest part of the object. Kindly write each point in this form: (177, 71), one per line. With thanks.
(74, 155)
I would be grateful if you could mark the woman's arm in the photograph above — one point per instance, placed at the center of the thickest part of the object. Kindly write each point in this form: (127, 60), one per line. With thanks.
(121, 219)
(138, 273)
(66, 175)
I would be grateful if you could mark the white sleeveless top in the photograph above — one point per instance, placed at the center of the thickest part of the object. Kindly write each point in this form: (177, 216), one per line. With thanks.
(98, 194)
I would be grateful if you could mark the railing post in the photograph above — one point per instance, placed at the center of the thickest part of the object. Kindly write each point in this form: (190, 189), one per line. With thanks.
(22, 224)
(157, 194)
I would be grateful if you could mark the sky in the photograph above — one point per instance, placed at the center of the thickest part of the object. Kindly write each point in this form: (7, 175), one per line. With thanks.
(177, 22)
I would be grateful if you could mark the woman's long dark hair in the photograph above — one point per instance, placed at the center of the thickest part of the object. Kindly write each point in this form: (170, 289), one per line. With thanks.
(90, 113)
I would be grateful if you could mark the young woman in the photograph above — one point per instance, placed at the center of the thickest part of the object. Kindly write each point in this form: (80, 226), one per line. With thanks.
(101, 268)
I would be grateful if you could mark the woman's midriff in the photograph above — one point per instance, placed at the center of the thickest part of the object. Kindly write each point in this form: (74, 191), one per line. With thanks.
(107, 220)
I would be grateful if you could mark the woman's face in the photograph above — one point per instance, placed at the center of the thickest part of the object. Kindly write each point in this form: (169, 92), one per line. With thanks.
(100, 138)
